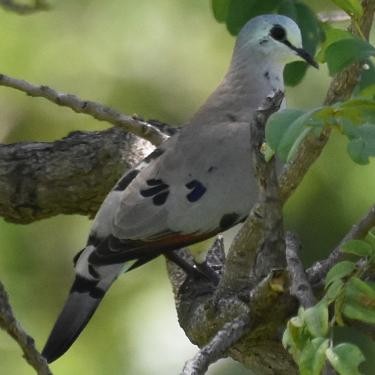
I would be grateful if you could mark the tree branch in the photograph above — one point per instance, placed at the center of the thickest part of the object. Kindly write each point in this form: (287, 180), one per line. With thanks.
(341, 88)
(317, 273)
(264, 220)
(9, 323)
(217, 347)
(132, 124)
(300, 286)
(69, 176)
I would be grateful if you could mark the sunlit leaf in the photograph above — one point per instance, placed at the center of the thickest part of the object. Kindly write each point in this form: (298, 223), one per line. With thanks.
(316, 319)
(285, 130)
(345, 358)
(352, 7)
(331, 35)
(344, 52)
(358, 247)
(339, 271)
(359, 302)
(333, 291)
(313, 357)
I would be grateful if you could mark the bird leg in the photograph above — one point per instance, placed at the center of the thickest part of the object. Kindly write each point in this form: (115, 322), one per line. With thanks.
(195, 270)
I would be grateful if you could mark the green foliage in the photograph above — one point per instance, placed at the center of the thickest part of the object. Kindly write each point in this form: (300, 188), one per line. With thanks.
(354, 118)
(344, 52)
(309, 336)
(352, 7)
(345, 358)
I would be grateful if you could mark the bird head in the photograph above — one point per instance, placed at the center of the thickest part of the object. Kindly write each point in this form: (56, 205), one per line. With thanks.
(277, 38)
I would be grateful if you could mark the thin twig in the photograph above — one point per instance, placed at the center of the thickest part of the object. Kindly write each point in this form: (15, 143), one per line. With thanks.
(100, 112)
(300, 287)
(317, 272)
(13, 6)
(9, 323)
(217, 347)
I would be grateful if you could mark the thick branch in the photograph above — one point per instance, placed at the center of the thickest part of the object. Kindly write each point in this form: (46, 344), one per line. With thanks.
(69, 176)
(9, 323)
(100, 112)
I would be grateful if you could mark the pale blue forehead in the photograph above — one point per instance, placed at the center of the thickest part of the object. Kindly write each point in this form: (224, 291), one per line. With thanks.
(260, 26)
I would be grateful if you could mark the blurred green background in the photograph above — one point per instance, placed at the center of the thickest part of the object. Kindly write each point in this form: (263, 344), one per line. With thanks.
(159, 59)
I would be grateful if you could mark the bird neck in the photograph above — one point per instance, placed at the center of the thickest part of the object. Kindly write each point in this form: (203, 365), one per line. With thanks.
(244, 89)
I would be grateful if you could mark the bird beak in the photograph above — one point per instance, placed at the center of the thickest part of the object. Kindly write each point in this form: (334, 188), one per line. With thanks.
(307, 57)
(302, 53)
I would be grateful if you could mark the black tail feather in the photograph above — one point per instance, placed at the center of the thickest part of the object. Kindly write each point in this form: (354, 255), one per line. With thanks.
(81, 304)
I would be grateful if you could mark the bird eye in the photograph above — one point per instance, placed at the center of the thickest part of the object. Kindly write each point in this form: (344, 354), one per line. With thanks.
(278, 32)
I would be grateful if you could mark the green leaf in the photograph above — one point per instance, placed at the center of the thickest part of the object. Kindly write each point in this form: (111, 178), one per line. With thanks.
(277, 125)
(366, 84)
(359, 302)
(240, 11)
(362, 148)
(339, 271)
(220, 9)
(294, 72)
(313, 357)
(352, 7)
(370, 238)
(334, 290)
(332, 35)
(358, 247)
(316, 319)
(285, 131)
(345, 358)
(346, 51)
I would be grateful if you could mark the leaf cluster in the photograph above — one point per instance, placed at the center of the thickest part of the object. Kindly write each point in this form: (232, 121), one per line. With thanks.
(348, 297)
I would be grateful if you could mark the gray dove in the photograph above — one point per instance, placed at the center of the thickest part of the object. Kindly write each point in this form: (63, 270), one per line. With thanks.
(196, 184)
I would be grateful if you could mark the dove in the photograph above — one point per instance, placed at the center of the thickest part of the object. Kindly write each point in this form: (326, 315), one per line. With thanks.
(193, 186)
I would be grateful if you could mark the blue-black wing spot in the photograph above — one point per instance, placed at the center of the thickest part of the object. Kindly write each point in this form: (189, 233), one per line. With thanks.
(154, 190)
(126, 180)
(154, 181)
(154, 155)
(197, 190)
(159, 191)
(160, 199)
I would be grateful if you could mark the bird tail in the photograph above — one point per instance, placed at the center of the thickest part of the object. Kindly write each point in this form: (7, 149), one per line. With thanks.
(81, 304)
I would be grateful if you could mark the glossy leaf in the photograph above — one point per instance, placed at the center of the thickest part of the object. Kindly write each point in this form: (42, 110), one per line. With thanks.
(359, 302)
(334, 290)
(339, 271)
(316, 319)
(220, 9)
(285, 131)
(352, 7)
(331, 35)
(345, 52)
(313, 357)
(345, 359)
(294, 73)
(362, 148)
(358, 247)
